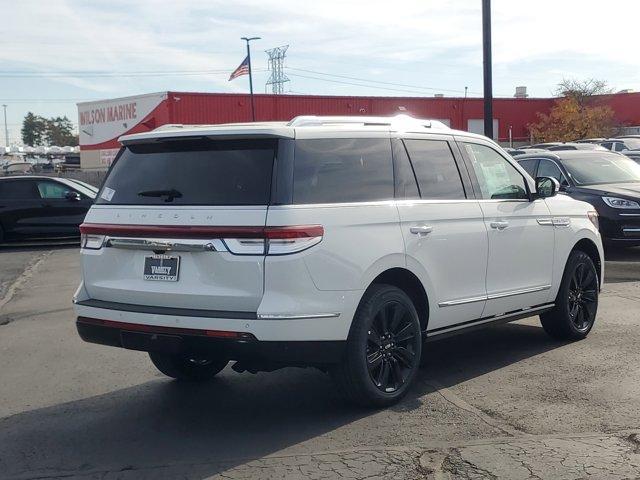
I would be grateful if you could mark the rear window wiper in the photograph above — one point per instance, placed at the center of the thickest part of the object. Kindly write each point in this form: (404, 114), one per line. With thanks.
(170, 194)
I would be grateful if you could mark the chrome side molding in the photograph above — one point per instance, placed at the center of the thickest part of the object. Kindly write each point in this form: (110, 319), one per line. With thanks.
(493, 296)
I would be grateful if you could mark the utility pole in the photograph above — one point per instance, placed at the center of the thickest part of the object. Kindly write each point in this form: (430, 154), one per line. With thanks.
(486, 60)
(6, 130)
(253, 106)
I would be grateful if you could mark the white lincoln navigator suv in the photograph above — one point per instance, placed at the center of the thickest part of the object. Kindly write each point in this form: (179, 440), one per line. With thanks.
(343, 243)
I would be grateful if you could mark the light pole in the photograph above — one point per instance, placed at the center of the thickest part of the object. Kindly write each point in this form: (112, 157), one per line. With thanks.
(6, 130)
(486, 60)
(253, 107)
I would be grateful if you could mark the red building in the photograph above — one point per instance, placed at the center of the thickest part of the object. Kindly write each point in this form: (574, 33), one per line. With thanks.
(102, 122)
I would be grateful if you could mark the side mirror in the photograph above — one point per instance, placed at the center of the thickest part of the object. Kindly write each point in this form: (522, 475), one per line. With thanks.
(72, 196)
(546, 187)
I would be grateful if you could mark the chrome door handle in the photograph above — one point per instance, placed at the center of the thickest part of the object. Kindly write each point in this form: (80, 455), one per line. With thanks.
(421, 230)
(499, 225)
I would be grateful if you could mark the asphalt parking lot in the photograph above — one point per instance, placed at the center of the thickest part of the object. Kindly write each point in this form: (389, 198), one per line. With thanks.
(505, 402)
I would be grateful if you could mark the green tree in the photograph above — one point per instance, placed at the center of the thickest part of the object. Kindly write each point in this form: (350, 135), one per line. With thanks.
(34, 128)
(59, 131)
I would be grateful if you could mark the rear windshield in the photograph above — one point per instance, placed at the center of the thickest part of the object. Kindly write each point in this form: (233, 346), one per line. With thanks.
(192, 172)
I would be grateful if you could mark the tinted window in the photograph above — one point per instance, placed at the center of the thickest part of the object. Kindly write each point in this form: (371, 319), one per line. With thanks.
(498, 179)
(342, 170)
(192, 172)
(548, 168)
(18, 190)
(406, 186)
(529, 165)
(52, 189)
(436, 169)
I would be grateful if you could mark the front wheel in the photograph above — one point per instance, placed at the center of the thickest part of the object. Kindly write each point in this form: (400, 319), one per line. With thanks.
(185, 367)
(383, 349)
(577, 302)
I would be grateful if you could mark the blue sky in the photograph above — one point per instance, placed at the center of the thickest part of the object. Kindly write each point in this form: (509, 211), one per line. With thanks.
(56, 52)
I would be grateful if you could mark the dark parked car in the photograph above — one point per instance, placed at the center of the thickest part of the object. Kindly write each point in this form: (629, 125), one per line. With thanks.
(609, 181)
(33, 207)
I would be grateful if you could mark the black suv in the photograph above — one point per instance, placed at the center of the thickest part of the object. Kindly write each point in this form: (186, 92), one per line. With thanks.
(609, 181)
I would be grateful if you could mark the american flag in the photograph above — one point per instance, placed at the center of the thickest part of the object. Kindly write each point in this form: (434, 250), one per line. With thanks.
(243, 69)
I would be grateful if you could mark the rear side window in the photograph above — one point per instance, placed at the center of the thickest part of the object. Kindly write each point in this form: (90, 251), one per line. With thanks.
(436, 169)
(342, 170)
(52, 190)
(18, 190)
(529, 165)
(192, 172)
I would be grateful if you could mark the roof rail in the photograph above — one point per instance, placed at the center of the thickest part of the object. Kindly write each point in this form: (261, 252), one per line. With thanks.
(397, 120)
(168, 126)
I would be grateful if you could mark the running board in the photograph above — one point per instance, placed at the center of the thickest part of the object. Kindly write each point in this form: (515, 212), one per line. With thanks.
(443, 332)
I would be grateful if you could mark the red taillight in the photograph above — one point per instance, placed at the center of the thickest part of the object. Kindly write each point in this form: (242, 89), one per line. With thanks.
(298, 231)
(277, 240)
(171, 231)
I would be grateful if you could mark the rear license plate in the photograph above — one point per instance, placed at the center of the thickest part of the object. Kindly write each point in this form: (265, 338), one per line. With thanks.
(162, 268)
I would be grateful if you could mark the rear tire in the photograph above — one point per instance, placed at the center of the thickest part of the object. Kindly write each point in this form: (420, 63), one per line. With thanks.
(577, 302)
(186, 368)
(383, 349)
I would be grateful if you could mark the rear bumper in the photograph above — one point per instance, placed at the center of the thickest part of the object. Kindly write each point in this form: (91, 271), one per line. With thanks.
(221, 344)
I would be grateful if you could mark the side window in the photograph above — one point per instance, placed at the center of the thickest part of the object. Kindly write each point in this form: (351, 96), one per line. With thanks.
(607, 145)
(529, 164)
(498, 179)
(436, 169)
(342, 170)
(548, 168)
(18, 190)
(52, 189)
(618, 146)
(405, 179)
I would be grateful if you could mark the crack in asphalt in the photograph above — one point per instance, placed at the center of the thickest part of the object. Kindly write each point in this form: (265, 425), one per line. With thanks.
(19, 282)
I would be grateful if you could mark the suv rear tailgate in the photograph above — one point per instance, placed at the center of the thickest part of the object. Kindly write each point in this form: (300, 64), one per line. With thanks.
(189, 200)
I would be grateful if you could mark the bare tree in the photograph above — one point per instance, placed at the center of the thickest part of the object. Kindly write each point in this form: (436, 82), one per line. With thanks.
(582, 91)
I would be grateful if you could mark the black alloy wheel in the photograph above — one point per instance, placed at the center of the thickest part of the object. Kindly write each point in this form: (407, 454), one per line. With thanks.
(391, 351)
(382, 354)
(583, 297)
(576, 304)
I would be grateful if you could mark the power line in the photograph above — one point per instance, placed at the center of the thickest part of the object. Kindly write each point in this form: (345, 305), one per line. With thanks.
(85, 74)
(434, 89)
(356, 84)
(377, 81)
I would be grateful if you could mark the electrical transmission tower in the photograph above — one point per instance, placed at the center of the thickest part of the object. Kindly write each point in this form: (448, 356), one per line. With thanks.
(277, 78)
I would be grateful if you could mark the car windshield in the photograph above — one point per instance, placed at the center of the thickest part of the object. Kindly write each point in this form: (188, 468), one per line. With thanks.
(605, 168)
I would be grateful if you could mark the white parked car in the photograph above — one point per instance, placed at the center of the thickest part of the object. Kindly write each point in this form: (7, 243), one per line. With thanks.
(337, 242)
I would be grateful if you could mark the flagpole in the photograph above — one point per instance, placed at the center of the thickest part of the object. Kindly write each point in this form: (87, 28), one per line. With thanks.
(253, 107)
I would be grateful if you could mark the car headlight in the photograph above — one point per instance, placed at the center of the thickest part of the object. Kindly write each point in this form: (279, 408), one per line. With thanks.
(616, 202)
